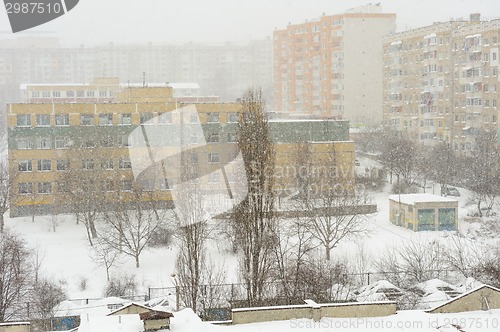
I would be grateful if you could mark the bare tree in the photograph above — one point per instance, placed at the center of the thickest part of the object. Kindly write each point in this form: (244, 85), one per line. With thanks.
(44, 300)
(398, 155)
(15, 274)
(5, 190)
(412, 262)
(290, 256)
(483, 176)
(330, 200)
(86, 197)
(104, 255)
(253, 219)
(193, 232)
(130, 226)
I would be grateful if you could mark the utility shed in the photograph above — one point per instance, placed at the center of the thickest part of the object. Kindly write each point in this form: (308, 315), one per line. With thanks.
(156, 320)
(424, 212)
(484, 297)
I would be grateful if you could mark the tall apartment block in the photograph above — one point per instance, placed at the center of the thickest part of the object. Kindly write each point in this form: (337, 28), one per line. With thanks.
(441, 81)
(332, 66)
(59, 133)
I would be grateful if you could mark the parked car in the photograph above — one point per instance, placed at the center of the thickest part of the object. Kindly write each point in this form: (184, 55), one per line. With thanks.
(450, 191)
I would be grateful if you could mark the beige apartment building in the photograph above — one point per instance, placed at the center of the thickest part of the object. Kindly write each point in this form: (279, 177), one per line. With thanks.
(332, 66)
(441, 81)
(58, 137)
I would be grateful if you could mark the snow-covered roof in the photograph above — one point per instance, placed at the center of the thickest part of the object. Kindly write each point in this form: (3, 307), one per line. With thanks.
(180, 86)
(128, 305)
(432, 35)
(463, 295)
(411, 199)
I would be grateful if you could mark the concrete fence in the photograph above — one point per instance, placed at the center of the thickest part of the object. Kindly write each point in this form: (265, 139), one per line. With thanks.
(312, 310)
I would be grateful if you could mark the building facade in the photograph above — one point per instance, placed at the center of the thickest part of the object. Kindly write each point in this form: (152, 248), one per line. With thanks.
(97, 141)
(332, 66)
(424, 212)
(441, 82)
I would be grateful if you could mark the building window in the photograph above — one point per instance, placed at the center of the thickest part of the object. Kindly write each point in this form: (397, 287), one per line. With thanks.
(63, 187)
(213, 157)
(109, 185)
(212, 117)
(126, 185)
(43, 120)
(61, 142)
(35, 94)
(90, 93)
(125, 119)
(165, 118)
(106, 119)
(44, 165)
(24, 144)
(56, 94)
(44, 188)
(494, 103)
(232, 117)
(163, 184)
(88, 143)
(232, 137)
(80, 94)
(107, 164)
(88, 164)
(46, 94)
(70, 94)
(214, 177)
(213, 138)
(123, 141)
(146, 118)
(87, 119)
(124, 163)
(23, 120)
(62, 119)
(62, 165)
(43, 143)
(25, 166)
(106, 142)
(194, 158)
(193, 118)
(25, 188)
(103, 93)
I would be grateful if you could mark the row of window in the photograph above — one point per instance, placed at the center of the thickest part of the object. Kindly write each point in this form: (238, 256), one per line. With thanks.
(124, 163)
(63, 142)
(45, 165)
(72, 94)
(106, 119)
(45, 188)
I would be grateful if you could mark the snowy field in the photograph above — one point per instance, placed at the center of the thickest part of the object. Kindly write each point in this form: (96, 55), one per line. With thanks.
(65, 256)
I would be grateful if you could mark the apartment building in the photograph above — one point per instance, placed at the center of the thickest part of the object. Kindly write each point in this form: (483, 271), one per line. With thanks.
(332, 66)
(102, 140)
(441, 81)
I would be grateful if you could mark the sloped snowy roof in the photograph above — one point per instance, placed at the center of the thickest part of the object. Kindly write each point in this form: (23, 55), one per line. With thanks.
(463, 295)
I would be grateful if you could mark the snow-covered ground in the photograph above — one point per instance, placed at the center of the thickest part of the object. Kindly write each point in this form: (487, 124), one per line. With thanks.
(66, 258)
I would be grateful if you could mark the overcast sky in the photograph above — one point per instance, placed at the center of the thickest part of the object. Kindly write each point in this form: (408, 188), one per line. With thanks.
(178, 21)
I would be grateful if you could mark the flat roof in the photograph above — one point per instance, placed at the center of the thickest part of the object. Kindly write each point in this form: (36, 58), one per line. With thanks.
(411, 199)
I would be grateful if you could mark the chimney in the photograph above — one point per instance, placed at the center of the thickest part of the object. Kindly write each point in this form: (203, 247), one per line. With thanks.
(475, 17)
